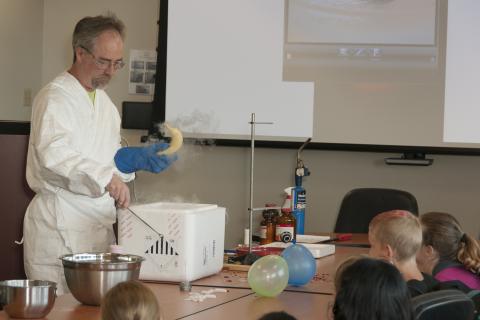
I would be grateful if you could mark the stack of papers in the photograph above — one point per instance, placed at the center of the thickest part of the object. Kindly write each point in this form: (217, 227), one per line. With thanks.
(305, 238)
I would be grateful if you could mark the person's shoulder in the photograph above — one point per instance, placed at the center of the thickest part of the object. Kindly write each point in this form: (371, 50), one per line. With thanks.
(445, 264)
(461, 274)
(429, 280)
(417, 287)
(453, 284)
(57, 95)
(59, 85)
(65, 82)
(450, 283)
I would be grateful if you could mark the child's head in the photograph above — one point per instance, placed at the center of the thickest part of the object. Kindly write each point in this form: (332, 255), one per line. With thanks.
(345, 264)
(395, 236)
(371, 289)
(130, 300)
(444, 239)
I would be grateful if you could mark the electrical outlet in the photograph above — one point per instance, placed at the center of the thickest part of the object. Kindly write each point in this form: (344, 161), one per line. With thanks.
(27, 97)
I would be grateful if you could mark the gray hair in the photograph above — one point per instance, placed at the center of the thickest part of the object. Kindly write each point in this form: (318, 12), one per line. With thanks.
(89, 28)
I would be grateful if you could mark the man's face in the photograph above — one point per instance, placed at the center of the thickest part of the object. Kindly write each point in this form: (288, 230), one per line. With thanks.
(104, 59)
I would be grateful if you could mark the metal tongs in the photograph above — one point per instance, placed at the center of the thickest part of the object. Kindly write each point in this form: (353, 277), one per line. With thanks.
(145, 223)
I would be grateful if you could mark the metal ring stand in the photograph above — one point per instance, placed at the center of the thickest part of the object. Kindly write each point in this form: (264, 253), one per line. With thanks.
(251, 209)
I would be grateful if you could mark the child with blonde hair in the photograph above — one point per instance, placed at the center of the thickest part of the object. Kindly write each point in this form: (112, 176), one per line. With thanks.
(396, 236)
(130, 300)
(447, 252)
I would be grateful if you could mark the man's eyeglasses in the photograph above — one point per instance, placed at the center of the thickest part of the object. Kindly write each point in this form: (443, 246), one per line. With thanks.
(104, 64)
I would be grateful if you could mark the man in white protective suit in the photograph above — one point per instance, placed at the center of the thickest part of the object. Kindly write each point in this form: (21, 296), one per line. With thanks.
(75, 163)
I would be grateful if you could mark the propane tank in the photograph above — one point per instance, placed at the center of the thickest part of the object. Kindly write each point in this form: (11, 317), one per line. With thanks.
(299, 194)
(299, 203)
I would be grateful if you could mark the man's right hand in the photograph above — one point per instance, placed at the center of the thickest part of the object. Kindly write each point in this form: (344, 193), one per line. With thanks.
(119, 191)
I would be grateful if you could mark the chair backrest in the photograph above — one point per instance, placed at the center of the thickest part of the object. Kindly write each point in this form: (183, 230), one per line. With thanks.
(475, 296)
(359, 206)
(443, 304)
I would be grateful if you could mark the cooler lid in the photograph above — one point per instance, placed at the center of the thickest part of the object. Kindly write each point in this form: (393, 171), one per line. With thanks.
(180, 207)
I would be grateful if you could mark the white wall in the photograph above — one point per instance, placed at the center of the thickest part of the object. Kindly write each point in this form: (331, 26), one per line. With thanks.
(221, 175)
(20, 56)
(140, 18)
(36, 44)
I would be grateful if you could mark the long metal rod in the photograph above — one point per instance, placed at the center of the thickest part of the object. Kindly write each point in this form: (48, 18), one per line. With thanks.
(251, 209)
(145, 222)
(252, 157)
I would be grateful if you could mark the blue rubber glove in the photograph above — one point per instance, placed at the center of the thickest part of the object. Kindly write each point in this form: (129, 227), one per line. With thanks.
(131, 159)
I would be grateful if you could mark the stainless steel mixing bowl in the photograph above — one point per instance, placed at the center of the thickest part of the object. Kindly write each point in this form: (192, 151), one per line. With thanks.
(27, 299)
(90, 275)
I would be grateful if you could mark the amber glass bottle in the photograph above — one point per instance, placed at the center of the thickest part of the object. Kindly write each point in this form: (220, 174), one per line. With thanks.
(285, 229)
(267, 225)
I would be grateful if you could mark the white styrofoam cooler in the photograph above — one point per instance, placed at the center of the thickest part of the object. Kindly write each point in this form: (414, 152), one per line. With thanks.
(187, 243)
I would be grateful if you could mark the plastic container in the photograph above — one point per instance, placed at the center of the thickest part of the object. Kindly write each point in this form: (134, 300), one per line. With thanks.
(186, 244)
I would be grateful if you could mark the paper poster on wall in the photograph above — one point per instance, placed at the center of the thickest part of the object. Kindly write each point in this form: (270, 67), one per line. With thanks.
(143, 64)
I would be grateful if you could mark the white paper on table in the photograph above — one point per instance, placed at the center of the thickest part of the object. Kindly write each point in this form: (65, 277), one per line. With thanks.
(317, 250)
(306, 238)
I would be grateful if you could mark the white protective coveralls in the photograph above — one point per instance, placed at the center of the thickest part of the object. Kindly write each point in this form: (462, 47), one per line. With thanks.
(70, 162)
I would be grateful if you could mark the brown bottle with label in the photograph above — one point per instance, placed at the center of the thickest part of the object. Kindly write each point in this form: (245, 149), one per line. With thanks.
(267, 225)
(285, 229)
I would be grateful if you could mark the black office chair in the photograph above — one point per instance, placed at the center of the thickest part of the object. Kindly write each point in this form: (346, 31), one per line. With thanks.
(475, 296)
(443, 305)
(359, 206)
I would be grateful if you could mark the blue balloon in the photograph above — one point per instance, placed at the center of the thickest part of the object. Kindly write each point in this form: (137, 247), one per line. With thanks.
(301, 264)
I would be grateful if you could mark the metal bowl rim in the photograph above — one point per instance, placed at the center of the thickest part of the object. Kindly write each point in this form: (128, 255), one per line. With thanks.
(48, 283)
(136, 258)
